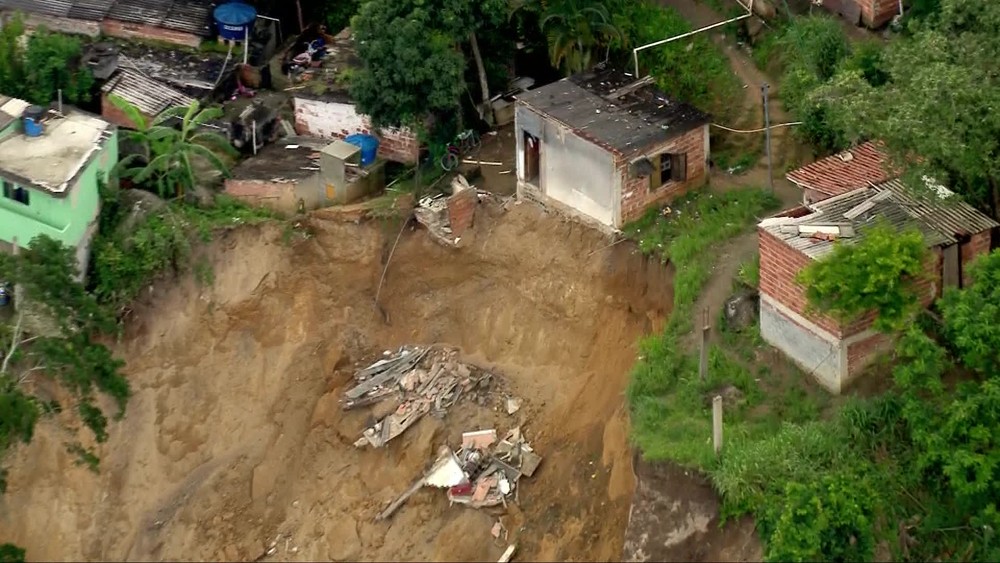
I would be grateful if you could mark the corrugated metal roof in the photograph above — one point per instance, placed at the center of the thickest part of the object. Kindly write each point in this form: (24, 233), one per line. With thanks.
(948, 214)
(941, 220)
(91, 10)
(840, 173)
(53, 8)
(190, 16)
(148, 95)
(628, 122)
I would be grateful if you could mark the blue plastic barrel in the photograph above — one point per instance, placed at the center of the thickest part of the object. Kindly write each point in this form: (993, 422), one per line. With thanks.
(368, 145)
(234, 20)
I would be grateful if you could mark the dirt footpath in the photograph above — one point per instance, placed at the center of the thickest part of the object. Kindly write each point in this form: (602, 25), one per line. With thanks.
(235, 437)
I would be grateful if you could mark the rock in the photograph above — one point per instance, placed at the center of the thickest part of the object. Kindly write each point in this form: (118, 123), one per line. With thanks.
(742, 310)
(513, 405)
(138, 204)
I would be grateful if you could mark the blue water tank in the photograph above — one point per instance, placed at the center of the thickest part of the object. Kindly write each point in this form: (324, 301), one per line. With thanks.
(368, 145)
(31, 119)
(234, 20)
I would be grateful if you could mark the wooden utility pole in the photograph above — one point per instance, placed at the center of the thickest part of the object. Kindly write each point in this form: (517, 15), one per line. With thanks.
(703, 361)
(717, 424)
(302, 23)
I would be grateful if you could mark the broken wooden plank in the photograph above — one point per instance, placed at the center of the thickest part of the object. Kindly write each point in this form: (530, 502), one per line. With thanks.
(508, 554)
(394, 506)
(385, 373)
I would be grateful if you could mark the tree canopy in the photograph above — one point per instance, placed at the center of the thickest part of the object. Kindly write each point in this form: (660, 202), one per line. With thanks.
(416, 71)
(46, 63)
(936, 110)
(52, 335)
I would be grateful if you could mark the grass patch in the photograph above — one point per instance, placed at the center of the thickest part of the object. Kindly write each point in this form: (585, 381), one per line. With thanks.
(670, 403)
(693, 226)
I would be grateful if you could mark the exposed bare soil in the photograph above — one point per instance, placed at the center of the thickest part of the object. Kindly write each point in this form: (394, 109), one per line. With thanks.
(235, 436)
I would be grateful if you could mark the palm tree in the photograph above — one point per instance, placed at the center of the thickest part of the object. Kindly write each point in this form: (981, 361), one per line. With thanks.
(170, 155)
(575, 29)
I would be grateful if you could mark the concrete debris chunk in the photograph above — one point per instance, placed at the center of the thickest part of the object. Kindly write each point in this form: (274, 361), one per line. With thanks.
(513, 405)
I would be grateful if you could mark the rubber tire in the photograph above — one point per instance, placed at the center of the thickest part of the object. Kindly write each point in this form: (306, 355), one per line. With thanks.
(449, 161)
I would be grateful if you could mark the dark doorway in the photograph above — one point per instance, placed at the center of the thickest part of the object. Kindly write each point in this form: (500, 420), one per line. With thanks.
(532, 158)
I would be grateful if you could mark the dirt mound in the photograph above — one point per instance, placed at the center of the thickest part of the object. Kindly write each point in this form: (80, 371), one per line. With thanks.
(235, 438)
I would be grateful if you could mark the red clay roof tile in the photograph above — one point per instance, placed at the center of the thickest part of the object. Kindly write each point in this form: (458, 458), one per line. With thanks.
(839, 174)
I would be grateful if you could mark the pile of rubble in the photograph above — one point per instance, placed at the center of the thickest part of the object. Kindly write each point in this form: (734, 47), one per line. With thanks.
(482, 473)
(420, 381)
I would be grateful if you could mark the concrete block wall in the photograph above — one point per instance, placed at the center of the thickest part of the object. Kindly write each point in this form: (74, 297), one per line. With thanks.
(280, 196)
(336, 120)
(638, 195)
(123, 30)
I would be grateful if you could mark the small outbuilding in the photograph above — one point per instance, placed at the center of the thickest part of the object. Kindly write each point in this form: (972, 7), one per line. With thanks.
(603, 146)
(303, 173)
(835, 352)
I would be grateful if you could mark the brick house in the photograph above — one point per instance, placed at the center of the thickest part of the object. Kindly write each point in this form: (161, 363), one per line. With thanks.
(835, 353)
(838, 174)
(872, 14)
(323, 107)
(604, 147)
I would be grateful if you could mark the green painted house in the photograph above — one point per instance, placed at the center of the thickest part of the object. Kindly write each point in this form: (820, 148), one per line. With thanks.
(49, 182)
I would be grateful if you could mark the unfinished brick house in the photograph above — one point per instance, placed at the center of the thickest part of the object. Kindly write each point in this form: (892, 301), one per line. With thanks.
(872, 14)
(604, 147)
(849, 170)
(323, 106)
(835, 353)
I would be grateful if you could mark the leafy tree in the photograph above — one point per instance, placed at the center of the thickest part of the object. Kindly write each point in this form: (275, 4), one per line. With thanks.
(171, 154)
(10, 553)
(48, 63)
(875, 274)
(694, 70)
(338, 13)
(575, 30)
(972, 316)
(60, 346)
(939, 101)
(826, 520)
(811, 50)
(415, 74)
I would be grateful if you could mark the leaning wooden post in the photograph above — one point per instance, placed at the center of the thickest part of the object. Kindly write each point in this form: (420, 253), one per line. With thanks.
(703, 362)
(717, 424)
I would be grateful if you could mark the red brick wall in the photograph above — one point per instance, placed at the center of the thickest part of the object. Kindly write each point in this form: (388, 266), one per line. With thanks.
(975, 247)
(876, 13)
(861, 352)
(462, 211)
(636, 193)
(124, 30)
(336, 120)
(63, 25)
(111, 113)
(780, 263)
